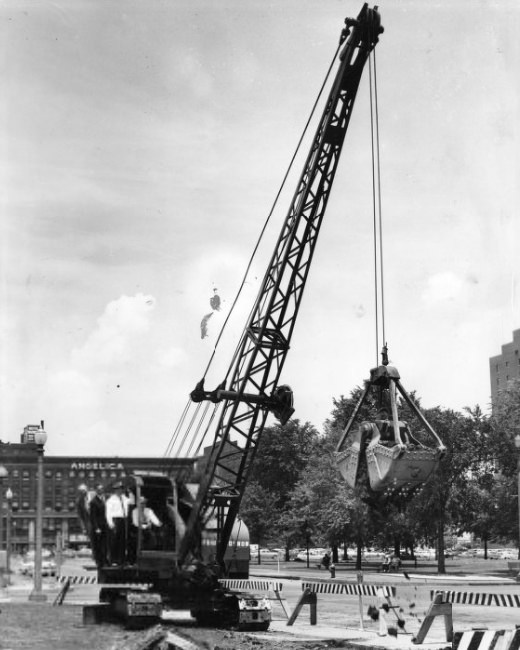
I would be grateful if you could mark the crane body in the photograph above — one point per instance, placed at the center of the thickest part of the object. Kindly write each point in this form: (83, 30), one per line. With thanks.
(176, 572)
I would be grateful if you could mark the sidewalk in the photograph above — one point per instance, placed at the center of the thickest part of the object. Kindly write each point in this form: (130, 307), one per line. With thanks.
(358, 639)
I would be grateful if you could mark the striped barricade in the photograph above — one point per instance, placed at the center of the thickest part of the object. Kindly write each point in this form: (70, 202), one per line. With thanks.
(442, 602)
(487, 640)
(78, 580)
(349, 588)
(382, 592)
(68, 580)
(251, 585)
(258, 585)
(475, 598)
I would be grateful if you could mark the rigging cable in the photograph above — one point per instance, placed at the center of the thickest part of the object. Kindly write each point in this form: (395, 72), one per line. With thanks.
(177, 430)
(379, 294)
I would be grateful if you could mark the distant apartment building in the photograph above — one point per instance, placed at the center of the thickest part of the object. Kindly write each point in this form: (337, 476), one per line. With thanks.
(506, 366)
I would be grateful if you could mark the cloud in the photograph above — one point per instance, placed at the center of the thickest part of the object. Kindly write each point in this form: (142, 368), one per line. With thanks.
(122, 320)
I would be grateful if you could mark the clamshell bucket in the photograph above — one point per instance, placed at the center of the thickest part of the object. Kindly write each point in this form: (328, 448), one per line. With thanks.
(348, 459)
(390, 468)
(395, 459)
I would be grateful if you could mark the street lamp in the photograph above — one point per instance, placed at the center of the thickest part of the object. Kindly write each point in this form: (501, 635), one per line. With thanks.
(9, 498)
(3, 474)
(40, 438)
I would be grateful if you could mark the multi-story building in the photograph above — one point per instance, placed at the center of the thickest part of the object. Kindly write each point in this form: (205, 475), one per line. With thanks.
(62, 477)
(506, 366)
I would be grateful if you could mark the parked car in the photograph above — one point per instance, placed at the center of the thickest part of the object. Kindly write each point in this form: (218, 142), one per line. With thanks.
(84, 551)
(45, 554)
(49, 568)
(315, 555)
(294, 552)
(265, 554)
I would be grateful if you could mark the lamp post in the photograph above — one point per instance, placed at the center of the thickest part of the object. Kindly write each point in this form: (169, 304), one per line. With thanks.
(40, 438)
(9, 499)
(3, 474)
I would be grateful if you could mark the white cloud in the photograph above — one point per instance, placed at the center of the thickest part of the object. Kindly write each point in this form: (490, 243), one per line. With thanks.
(122, 320)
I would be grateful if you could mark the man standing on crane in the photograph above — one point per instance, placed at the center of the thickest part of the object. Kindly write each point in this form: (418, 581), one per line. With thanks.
(117, 513)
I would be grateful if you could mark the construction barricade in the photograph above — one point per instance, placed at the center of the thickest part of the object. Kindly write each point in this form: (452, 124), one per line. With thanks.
(487, 640)
(442, 602)
(383, 594)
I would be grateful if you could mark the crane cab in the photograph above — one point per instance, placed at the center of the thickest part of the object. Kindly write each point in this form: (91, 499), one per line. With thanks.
(150, 552)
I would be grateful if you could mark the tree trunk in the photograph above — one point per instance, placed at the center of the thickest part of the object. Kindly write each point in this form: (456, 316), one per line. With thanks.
(358, 554)
(441, 564)
(335, 555)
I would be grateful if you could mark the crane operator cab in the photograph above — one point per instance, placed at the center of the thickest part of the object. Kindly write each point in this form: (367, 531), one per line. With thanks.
(144, 545)
(395, 460)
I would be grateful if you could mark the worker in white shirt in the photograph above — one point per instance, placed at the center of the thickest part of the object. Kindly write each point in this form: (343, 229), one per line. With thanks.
(116, 514)
(144, 517)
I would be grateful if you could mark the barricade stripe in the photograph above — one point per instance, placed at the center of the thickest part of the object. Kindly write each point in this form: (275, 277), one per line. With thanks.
(515, 641)
(81, 580)
(349, 589)
(478, 598)
(261, 585)
(486, 640)
(504, 640)
(490, 639)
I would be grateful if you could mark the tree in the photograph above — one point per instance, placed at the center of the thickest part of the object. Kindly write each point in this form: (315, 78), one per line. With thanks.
(445, 498)
(282, 454)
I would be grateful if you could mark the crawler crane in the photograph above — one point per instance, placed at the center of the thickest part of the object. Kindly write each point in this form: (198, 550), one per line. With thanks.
(175, 572)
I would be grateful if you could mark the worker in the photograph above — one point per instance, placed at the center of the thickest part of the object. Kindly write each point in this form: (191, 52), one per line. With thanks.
(82, 508)
(98, 526)
(142, 517)
(116, 515)
(145, 518)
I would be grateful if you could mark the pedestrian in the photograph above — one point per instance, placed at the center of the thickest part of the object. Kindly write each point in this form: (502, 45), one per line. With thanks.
(116, 516)
(99, 526)
(326, 560)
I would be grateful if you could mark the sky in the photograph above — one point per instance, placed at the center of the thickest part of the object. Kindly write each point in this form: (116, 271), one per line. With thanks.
(142, 144)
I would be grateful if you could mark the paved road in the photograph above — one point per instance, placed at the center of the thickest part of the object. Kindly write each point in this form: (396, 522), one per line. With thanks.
(412, 596)
(341, 611)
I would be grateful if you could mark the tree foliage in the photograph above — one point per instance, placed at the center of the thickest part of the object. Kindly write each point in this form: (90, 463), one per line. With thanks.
(296, 495)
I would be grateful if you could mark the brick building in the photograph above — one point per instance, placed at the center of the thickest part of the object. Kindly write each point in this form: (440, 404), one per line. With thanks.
(505, 366)
(62, 477)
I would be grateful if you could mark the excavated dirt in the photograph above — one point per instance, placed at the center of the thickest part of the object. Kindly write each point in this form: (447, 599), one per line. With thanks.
(34, 626)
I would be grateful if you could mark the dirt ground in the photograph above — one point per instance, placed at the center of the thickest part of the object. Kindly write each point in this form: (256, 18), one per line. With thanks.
(34, 626)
